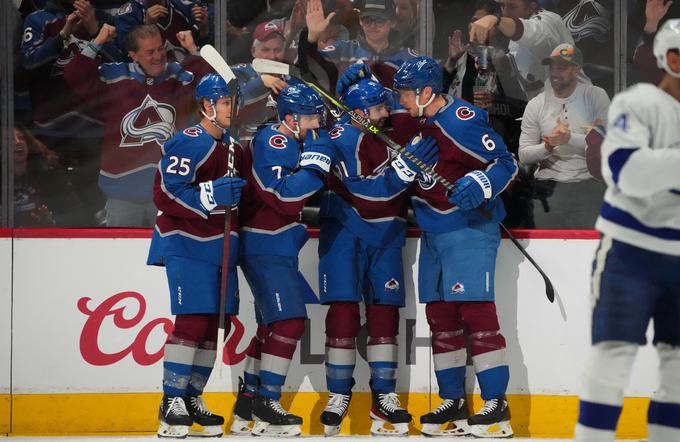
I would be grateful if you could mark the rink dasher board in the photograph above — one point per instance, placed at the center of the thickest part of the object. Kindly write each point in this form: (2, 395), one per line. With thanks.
(66, 346)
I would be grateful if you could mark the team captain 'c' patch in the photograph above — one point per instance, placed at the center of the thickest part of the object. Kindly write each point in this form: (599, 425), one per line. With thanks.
(278, 141)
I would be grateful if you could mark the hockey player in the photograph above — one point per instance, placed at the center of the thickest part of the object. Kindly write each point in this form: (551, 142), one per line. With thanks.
(290, 162)
(635, 271)
(458, 246)
(194, 178)
(363, 226)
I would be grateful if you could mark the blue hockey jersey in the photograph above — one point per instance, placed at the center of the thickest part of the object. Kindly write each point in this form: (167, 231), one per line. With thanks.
(365, 194)
(466, 143)
(276, 192)
(183, 226)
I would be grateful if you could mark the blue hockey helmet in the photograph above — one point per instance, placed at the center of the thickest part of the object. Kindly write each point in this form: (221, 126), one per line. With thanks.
(364, 94)
(211, 87)
(419, 72)
(299, 99)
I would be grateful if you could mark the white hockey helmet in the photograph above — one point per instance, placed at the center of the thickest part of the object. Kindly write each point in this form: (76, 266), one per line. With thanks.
(667, 38)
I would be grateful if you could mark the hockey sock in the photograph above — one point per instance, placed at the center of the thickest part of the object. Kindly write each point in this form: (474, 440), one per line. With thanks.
(606, 374)
(277, 351)
(488, 348)
(204, 361)
(383, 327)
(180, 351)
(663, 416)
(342, 328)
(448, 348)
(251, 372)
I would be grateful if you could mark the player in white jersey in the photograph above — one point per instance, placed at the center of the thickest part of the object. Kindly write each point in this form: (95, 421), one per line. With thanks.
(635, 273)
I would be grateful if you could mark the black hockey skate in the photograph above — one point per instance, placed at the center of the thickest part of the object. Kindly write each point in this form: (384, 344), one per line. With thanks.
(493, 420)
(389, 418)
(174, 419)
(335, 412)
(243, 411)
(211, 423)
(450, 418)
(271, 419)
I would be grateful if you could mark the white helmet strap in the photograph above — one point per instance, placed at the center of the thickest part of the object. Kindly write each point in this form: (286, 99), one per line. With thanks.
(296, 131)
(213, 117)
(421, 107)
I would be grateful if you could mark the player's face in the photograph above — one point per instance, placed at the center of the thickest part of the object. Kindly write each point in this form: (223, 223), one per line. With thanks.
(378, 114)
(150, 55)
(407, 99)
(271, 49)
(375, 28)
(563, 75)
(223, 111)
(517, 8)
(307, 123)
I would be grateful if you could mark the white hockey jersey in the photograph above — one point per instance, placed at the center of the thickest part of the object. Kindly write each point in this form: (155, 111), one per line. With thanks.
(641, 166)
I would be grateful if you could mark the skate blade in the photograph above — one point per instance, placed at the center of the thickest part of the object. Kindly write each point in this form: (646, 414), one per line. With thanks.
(499, 430)
(172, 431)
(207, 431)
(450, 429)
(265, 429)
(331, 430)
(384, 428)
(241, 427)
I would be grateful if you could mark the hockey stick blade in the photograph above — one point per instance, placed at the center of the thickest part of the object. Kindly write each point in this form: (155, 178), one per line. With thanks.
(264, 66)
(214, 59)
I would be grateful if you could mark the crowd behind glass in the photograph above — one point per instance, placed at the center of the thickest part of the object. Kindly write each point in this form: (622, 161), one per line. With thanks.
(505, 57)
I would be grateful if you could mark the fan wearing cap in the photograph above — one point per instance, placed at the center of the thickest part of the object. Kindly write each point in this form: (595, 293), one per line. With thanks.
(553, 140)
(377, 45)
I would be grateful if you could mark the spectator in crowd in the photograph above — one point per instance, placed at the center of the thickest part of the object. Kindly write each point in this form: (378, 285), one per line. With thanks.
(51, 37)
(170, 16)
(470, 73)
(406, 24)
(554, 129)
(644, 61)
(378, 45)
(142, 104)
(43, 194)
(533, 32)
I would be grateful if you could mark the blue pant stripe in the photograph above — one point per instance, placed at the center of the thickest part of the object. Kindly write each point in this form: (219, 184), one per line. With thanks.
(600, 416)
(663, 413)
(451, 382)
(494, 382)
(271, 384)
(175, 378)
(199, 377)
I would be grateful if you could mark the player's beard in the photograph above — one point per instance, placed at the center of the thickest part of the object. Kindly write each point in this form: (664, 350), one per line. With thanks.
(379, 123)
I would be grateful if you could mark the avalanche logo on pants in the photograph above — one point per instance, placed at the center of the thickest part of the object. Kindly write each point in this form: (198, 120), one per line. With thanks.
(392, 285)
(458, 289)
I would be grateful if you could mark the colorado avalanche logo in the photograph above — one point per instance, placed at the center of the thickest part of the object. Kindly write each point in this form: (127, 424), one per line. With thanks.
(392, 285)
(458, 289)
(465, 113)
(425, 181)
(151, 121)
(336, 132)
(278, 141)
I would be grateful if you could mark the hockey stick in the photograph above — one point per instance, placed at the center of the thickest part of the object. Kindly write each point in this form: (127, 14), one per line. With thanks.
(273, 67)
(215, 60)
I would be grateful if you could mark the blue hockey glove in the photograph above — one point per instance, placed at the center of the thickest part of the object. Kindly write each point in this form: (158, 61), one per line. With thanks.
(317, 153)
(425, 149)
(351, 75)
(224, 191)
(471, 190)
